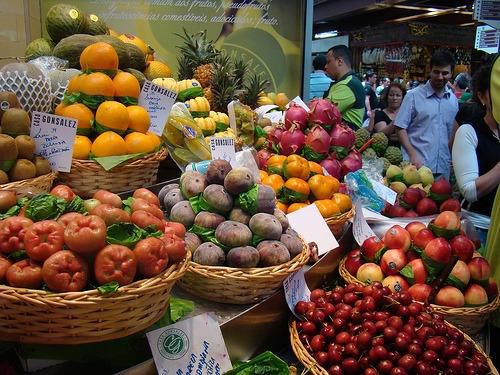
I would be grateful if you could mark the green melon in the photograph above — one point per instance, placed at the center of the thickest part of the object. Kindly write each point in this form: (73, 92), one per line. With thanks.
(137, 59)
(120, 48)
(38, 47)
(71, 48)
(64, 20)
(96, 26)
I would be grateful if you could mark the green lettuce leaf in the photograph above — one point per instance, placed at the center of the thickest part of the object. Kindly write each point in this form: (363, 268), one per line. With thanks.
(407, 272)
(109, 162)
(127, 204)
(107, 288)
(248, 200)
(126, 234)
(76, 205)
(208, 235)
(180, 307)
(45, 207)
(14, 210)
(220, 127)
(16, 256)
(266, 363)
(310, 154)
(198, 203)
(457, 283)
(293, 196)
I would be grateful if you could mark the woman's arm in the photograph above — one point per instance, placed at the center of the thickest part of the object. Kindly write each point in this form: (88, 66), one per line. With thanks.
(382, 127)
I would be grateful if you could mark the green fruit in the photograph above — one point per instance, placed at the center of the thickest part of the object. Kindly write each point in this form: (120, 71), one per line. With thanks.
(25, 147)
(9, 150)
(42, 166)
(60, 77)
(137, 59)
(380, 143)
(362, 136)
(6, 165)
(15, 121)
(71, 48)
(393, 154)
(120, 48)
(369, 153)
(64, 20)
(22, 170)
(38, 47)
(96, 26)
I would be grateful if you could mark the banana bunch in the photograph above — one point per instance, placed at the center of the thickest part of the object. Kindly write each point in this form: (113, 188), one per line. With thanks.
(184, 137)
(167, 83)
(199, 106)
(207, 125)
(188, 89)
(221, 120)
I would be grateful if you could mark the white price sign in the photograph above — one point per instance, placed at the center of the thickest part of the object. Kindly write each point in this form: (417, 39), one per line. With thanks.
(296, 289)
(158, 101)
(54, 137)
(384, 192)
(360, 228)
(223, 148)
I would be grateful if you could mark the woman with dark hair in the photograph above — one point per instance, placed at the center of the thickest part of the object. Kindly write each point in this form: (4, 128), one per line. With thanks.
(476, 149)
(391, 97)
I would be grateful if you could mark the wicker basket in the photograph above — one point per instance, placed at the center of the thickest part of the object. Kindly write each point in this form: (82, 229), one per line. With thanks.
(239, 286)
(36, 316)
(336, 223)
(469, 319)
(87, 176)
(31, 186)
(314, 368)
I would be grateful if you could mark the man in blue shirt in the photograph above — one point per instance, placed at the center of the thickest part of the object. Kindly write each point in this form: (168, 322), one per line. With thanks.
(319, 82)
(425, 120)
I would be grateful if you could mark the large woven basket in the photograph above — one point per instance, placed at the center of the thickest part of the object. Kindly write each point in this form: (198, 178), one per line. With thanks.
(314, 368)
(469, 319)
(336, 223)
(40, 317)
(31, 186)
(239, 286)
(87, 176)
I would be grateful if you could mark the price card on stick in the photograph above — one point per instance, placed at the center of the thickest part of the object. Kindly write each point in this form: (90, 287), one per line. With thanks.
(223, 148)
(158, 101)
(309, 223)
(296, 289)
(384, 192)
(54, 137)
(360, 228)
(191, 346)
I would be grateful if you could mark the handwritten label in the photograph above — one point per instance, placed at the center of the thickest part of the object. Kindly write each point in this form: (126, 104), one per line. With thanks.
(223, 148)
(54, 137)
(191, 346)
(360, 228)
(158, 101)
(384, 192)
(296, 289)
(309, 223)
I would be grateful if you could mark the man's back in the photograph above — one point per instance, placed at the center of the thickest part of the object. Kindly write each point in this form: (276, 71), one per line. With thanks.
(348, 95)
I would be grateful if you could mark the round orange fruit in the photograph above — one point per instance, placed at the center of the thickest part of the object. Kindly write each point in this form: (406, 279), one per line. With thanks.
(81, 147)
(99, 56)
(83, 114)
(108, 144)
(112, 115)
(139, 143)
(126, 85)
(139, 118)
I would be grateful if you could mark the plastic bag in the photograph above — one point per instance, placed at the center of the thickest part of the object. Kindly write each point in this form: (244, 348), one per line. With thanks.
(360, 187)
(48, 63)
(242, 120)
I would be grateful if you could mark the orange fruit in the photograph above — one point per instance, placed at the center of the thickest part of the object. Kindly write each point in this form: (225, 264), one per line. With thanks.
(83, 114)
(315, 168)
(126, 85)
(296, 206)
(155, 139)
(263, 174)
(132, 39)
(75, 84)
(343, 201)
(334, 182)
(139, 118)
(112, 115)
(157, 69)
(139, 143)
(81, 147)
(98, 84)
(281, 100)
(108, 144)
(282, 206)
(99, 56)
(59, 109)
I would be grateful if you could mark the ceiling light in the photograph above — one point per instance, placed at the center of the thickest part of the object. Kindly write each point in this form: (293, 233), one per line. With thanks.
(327, 34)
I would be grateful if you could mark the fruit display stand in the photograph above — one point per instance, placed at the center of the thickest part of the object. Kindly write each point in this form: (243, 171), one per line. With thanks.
(31, 186)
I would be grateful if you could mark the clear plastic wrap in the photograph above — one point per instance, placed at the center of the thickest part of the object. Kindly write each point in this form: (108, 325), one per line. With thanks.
(360, 187)
(49, 63)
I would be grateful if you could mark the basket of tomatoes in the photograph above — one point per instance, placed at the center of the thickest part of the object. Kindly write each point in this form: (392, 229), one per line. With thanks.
(78, 271)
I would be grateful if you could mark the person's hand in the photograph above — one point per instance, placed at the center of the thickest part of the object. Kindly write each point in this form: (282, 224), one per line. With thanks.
(415, 160)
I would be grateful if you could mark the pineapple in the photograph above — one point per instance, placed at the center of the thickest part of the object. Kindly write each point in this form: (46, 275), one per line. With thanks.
(254, 89)
(224, 84)
(197, 54)
(207, 93)
(240, 71)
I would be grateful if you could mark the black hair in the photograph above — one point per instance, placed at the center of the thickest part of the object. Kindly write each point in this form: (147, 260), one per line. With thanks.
(370, 74)
(462, 81)
(343, 51)
(443, 57)
(319, 62)
(385, 93)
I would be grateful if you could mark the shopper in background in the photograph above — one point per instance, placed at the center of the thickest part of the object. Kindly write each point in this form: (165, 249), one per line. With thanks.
(383, 121)
(476, 150)
(461, 84)
(371, 101)
(347, 92)
(319, 82)
(382, 85)
(426, 117)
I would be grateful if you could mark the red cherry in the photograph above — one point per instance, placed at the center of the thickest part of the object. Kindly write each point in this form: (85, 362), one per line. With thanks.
(389, 334)
(350, 366)
(335, 370)
(343, 338)
(301, 307)
(317, 294)
(385, 366)
(328, 332)
(429, 356)
(408, 362)
(322, 358)
(329, 309)
(396, 322)
(317, 343)
(364, 339)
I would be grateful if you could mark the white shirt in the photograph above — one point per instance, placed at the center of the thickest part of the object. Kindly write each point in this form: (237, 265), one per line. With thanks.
(465, 162)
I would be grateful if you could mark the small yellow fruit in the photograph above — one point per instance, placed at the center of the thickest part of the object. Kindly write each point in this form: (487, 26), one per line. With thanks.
(139, 143)
(157, 69)
(108, 144)
(81, 147)
(155, 139)
(139, 118)
(281, 100)
(132, 39)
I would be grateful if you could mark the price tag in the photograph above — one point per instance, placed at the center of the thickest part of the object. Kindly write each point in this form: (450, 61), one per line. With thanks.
(296, 289)
(158, 101)
(191, 346)
(54, 137)
(360, 228)
(275, 116)
(384, 192)
(309, 223)
(223, 148)
(263, 109)
(298, 100)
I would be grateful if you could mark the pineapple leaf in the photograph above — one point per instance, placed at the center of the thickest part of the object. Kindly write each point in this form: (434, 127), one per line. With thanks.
(254, 87)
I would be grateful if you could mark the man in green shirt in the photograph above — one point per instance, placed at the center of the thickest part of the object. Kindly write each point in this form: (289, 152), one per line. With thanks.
(347, 93)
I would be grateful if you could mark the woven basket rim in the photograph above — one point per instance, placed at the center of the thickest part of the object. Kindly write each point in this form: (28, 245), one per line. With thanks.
(340, 218)
(49, 177)
(469, 310)
(171, 274)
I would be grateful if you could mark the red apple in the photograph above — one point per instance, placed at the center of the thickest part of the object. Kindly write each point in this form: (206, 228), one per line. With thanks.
(396, 211)
(393, 261)
(441, 187)
(462, 247)
(353, 261)
(414, 227)
(480, 269)
(415, 272)
(369, 272)
(447, 220)
(411, 196)
(491, 288)
(420, 292)
(370, 247)
(449, 296)
(438, 250)
(426, 207)
(450, 205)
(395, 283)
(423, 237)
(475, 295)
(397, 238)
(461, 274)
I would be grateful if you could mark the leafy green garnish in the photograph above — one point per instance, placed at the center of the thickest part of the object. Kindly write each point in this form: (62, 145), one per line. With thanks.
(16, 256)
(128, 234)
(45, 207)
(180, 307)
(76, 205)
(127, 204)
(14, 210)
(107, 288)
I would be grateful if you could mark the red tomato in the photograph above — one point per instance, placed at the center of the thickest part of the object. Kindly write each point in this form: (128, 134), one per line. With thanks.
(86, 235)
(65, 271)
(140, 204)
(147, 195)
(43, 239)
(175, 228)
(143, 219)
(110, 214)
(152, 256)
(108, 197)
(176, 247)
(65, 219)
(25, 274)
(12, 232)
(64, 192)
(4, 265)
(115, 263)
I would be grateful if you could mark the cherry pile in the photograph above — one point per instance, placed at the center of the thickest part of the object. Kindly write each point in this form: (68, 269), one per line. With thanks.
(370, 330)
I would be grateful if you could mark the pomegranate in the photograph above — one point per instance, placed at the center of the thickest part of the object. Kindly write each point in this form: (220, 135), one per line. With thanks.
(291, 142)
(342, 139)
(333, 167)
(323, 113)
(317, 144)
(296, 116)
(397, 238)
